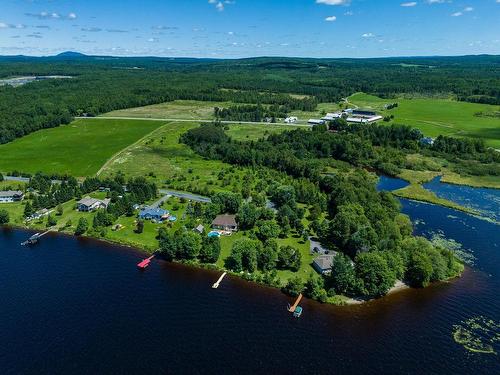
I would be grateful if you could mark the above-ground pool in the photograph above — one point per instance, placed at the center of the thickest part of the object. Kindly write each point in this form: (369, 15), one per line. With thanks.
(213, 233)
(172, 218)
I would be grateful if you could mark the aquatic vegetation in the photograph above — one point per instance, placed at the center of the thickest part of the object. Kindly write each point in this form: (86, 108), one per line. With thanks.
(465, 255)
(478, 335)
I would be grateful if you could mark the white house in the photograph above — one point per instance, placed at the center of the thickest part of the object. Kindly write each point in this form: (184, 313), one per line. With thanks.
(291, 120)
(11, 196)
(89, 204)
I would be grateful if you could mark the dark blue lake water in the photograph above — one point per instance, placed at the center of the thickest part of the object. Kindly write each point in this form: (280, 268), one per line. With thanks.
(76, 306)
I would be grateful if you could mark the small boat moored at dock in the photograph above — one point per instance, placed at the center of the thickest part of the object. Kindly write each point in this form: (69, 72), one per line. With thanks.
(296, 310)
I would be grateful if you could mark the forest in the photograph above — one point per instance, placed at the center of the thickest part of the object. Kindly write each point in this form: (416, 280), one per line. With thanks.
(103, 84)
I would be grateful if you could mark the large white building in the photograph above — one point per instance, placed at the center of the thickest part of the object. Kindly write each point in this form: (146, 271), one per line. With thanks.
(11, 196)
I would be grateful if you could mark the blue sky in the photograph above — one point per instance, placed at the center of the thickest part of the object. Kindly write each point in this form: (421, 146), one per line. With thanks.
(243, 28)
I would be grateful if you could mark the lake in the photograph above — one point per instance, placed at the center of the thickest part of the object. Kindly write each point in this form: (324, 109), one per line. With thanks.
(79, 306)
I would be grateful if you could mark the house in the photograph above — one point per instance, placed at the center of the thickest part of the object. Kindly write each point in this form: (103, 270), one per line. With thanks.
(323, 263)
(11, 196)
(314, 121)
(39, 214)
(291, 120)
(89, 204)
(225, 222)
(154, 213)
(200, 229)
(427, 141)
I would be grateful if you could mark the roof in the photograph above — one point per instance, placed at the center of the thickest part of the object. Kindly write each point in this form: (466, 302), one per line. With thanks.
(324, 262)
(11, 193)
(225, 220)
(151, 211)
(200, 228)
(88, 201)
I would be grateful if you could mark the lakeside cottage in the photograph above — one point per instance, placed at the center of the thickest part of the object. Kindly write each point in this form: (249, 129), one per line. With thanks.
(154, 213)
(89, 204)
(10, 196)
(323, 263)
(225, 222)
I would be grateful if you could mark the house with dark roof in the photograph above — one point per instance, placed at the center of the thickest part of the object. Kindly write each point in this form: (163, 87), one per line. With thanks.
(225, 222)
(323, 263)
(11, 196)
(154, 213)
(89, 204)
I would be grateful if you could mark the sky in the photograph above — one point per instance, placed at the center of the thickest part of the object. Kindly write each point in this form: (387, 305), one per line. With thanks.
(247, 28)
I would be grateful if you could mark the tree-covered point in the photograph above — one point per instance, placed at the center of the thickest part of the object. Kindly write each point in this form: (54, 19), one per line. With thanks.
(362, 224)
(103, 84)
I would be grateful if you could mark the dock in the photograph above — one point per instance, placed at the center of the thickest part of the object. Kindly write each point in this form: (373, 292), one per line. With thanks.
(35, 238)
(145, 263)
(217, 283)
(295, 308)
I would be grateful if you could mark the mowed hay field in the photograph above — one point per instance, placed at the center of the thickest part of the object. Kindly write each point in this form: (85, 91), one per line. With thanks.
(178, 109)
(78, 149)
(439, 116)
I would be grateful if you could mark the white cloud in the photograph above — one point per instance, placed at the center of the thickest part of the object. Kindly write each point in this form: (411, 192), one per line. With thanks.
(351, 13)
(457, 14)
(333, 2)
(3, 25)
(436, 1)
(368, 35)
(331, 19)
(72, 16)
(409, 4)
(468, 9)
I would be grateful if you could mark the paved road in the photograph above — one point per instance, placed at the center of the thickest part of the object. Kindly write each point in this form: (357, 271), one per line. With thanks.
(189, 196)
(194, 120)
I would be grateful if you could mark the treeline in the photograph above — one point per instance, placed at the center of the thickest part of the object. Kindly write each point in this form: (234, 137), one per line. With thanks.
(251, 113)
(101, 85)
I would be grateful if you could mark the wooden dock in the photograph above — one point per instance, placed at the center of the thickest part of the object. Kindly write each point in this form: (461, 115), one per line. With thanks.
(145, 263)
(217, 283)
(34, 238)
(294, 306)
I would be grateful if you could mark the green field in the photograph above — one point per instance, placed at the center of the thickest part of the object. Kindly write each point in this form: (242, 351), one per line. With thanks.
(79, 148)
(178, 109)
(438, 116)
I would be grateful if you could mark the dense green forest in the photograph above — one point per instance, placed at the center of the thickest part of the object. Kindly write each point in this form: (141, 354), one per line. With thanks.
(102, 84)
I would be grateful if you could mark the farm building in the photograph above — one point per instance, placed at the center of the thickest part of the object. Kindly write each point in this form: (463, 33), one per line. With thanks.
(314, 121)
(291, 120)
(152, 213)
(323, 263)
(363, 117)
(225, 222)
(332, 116)
(11, 196)
(89, 204)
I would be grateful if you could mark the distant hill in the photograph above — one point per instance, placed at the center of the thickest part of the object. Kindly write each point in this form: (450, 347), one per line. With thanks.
(71, 54)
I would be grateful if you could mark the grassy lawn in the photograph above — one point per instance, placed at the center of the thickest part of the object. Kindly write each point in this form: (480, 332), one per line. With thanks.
(439, 116)
(79, 148)
(12, 185)
(178, 109)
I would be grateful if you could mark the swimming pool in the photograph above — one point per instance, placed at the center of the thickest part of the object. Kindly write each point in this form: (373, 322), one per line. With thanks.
(213, 233)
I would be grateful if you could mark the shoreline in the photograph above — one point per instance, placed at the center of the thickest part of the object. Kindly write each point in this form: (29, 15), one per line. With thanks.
(337, 300)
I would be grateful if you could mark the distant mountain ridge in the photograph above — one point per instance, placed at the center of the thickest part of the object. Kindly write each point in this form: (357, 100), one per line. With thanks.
(71, 54)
